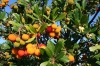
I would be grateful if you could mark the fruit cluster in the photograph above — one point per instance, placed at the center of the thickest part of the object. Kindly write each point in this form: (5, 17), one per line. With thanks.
(21, 48)
(4, 3)
(53, 30)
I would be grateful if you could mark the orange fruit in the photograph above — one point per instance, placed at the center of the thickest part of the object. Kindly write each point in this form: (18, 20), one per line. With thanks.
(0, 5)
(18, 57)
(14, 51)
(25, 37)
(54, 26)
(12, 37)
(37, 52)
(21, 53)
(58, 29)
(29, 45)
(52, 34)
(36, 26)
(31, 50)
(71, 58)
(42, 46)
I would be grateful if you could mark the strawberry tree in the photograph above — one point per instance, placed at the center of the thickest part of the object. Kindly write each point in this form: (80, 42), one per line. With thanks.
(59, 34)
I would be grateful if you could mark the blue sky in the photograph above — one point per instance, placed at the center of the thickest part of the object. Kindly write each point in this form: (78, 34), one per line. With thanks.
(12, 1)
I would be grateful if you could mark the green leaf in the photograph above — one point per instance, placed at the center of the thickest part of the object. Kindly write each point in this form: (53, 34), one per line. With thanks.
(2, 15)
(16, 17)
(14, 23)
(46, 17)
(43, 27)
(60, 17)
(49, 52)
(78, 5)
(31, 16)
(83, 4)
(50, 45)
(98, 62)
(30, 40)
(59, 45)
(93, 29)
(97, 56)
(93, 48)
(76, 46)
(32, 28)
(64, 59)
(60, 55)
(84, 19)
(77, 22)
(5, 46)
(44, 63)
(54, 13)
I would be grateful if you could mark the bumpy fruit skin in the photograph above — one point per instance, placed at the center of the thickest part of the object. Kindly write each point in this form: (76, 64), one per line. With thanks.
(49, 29)
(38, 35)
(14, 51)
(16, 44)
(18, 39)
(25, 37)
(71, 58)
(71, 2)
(58, 29)
(37, 52)
(26, 54)
(3, 4)
(52, 34)
(31, 50)
(29, 45)
(12, 37)
(15, 7)
(36, 26)
(22, 42)
(21, 53)
(42, 46)
(54, 26)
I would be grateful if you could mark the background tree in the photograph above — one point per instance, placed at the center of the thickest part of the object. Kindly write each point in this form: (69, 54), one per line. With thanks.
(56, 35)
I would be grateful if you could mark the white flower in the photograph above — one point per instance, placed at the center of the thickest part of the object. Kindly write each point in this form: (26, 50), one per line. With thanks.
(88, 35)
(81, 29)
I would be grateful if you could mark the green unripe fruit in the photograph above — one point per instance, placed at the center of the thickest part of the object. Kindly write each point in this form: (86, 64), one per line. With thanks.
(16, 44)
(22, 42)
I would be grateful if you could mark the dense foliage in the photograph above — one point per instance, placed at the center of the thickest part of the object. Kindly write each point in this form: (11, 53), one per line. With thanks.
(59, 34)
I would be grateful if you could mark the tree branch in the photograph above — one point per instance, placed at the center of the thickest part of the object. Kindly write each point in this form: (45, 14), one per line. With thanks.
(94, 16)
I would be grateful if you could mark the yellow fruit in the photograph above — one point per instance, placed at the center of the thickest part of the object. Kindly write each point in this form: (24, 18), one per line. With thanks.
(3, 4)
(34, 46)
(7, 56)
(52, 34)
(22, 42)
(71, 58)
(36, 26)
(15, 7)
(23, 20)
(30, 11)
(47, 9)
(71, 2)
(54, 26)
(18, 39)
(48, 12)
(6, 53)
(37, 52)
(25, 37)
(31, 50)
(29, 45)
(67, 22)
(16, 44)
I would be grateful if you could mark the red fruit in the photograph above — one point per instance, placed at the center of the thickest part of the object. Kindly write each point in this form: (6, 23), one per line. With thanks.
(84, 57)
(42, 46)
(96, 9)
(38, 35)
(57, 37)
(21, 53)
(49, 29)
(26, 54)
